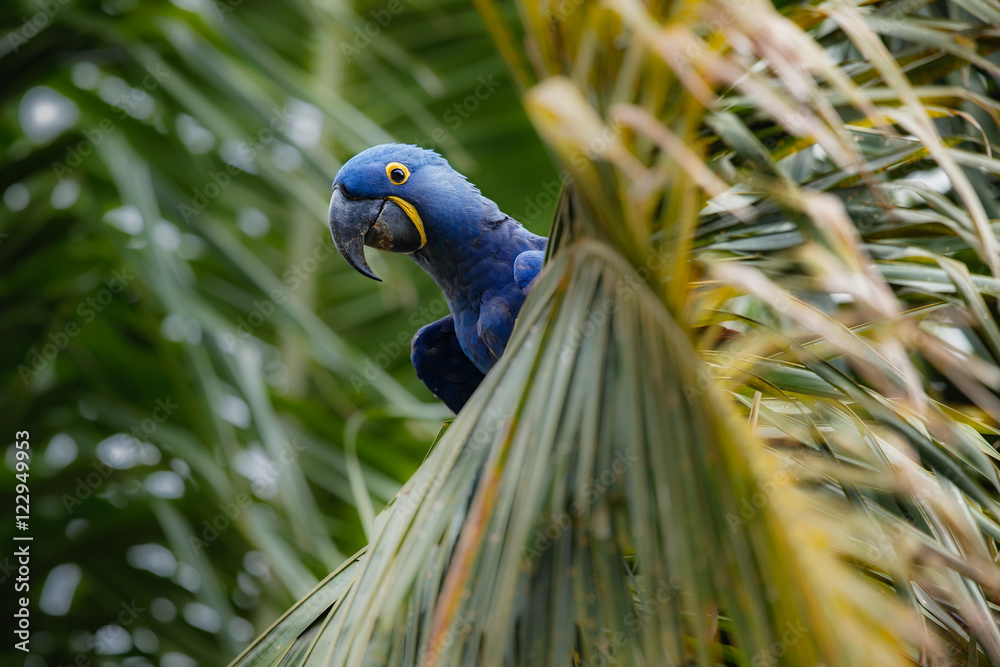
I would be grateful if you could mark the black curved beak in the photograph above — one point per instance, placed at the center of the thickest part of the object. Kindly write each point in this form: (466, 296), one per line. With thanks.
(389, 224)
(350, 220)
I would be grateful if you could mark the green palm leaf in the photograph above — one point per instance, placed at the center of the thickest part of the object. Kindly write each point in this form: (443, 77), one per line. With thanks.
(855, 522)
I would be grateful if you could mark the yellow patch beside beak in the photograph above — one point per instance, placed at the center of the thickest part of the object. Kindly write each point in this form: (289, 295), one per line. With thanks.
(411, 213)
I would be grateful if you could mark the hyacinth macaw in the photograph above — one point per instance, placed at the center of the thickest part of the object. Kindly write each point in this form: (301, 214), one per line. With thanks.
(402, 198)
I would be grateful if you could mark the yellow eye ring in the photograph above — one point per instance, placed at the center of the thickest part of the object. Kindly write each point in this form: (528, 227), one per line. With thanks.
(393, 171)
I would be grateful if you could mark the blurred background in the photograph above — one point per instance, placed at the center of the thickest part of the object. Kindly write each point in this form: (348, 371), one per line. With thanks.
(217, 405)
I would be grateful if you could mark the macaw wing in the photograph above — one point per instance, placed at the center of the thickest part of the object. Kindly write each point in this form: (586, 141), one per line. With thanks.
(442, 365)
(527, 266)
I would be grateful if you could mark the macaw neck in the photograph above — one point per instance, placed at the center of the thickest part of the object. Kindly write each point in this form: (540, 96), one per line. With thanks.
(477, 261)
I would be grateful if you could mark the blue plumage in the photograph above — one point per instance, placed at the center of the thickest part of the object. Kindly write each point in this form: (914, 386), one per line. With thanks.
(408, 199)
(442, 365)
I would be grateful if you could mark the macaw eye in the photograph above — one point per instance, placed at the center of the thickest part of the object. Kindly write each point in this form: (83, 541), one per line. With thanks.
(397, 173)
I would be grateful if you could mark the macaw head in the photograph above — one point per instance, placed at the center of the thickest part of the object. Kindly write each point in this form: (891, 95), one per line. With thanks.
(398, 198)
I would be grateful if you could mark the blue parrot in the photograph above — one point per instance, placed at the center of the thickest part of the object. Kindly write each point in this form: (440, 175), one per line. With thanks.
(402, 198)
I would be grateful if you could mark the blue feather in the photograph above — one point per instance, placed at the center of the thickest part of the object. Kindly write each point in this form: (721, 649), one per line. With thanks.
(527, 266)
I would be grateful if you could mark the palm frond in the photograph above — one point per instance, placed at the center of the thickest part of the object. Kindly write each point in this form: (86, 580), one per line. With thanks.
(742, 222)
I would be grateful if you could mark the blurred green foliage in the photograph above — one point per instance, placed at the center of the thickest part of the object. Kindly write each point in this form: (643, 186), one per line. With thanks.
(216, 402)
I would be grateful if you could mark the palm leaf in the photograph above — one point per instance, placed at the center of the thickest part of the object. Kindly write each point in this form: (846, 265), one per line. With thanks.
(859, 339)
